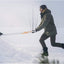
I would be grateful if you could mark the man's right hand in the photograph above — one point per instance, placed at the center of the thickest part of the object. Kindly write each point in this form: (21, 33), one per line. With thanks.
(33, 31)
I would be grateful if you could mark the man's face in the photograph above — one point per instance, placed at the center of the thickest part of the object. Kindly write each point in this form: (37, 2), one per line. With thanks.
(41, 9)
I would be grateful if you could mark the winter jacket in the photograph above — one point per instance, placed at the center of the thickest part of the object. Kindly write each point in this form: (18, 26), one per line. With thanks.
(47, 22)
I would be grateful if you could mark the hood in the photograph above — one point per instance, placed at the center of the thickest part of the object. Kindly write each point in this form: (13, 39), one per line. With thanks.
(47, 11)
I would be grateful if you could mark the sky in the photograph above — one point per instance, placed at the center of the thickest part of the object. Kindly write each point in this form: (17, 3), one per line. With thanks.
(24, 13)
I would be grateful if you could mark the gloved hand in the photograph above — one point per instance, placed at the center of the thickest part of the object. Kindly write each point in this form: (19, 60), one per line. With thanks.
(33, 31)
(1, 33)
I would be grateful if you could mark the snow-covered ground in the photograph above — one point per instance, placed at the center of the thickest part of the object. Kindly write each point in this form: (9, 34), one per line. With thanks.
(26, 49)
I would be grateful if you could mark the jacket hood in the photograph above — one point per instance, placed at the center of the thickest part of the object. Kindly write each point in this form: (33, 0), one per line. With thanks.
(47, 11)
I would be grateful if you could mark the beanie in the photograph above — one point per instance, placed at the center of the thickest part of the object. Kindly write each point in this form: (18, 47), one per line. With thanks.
(43, 6)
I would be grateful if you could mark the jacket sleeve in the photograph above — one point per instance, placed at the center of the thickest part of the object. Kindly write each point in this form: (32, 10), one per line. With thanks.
(45, 23)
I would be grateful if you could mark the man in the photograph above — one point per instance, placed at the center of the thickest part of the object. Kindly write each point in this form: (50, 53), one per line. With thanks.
(47, 22)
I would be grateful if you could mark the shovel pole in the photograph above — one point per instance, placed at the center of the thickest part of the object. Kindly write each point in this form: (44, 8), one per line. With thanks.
(18, 33)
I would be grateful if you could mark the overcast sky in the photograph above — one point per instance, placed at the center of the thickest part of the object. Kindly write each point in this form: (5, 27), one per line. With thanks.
(21, 13)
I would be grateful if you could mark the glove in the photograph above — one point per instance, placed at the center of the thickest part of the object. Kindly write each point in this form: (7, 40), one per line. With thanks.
(33, 31)
(1, 33)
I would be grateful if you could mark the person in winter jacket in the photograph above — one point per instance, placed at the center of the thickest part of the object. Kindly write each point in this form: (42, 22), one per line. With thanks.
(47, 22)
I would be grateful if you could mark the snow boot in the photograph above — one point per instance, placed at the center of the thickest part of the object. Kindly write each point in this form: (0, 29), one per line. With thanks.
(45, 51)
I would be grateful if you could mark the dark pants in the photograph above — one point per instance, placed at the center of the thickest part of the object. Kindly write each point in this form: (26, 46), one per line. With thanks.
(52, 39)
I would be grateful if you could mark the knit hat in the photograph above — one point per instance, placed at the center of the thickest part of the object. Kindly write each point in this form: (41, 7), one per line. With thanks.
(43, 6)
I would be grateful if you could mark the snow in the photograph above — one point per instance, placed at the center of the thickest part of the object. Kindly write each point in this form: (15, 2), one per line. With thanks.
(22, 49)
